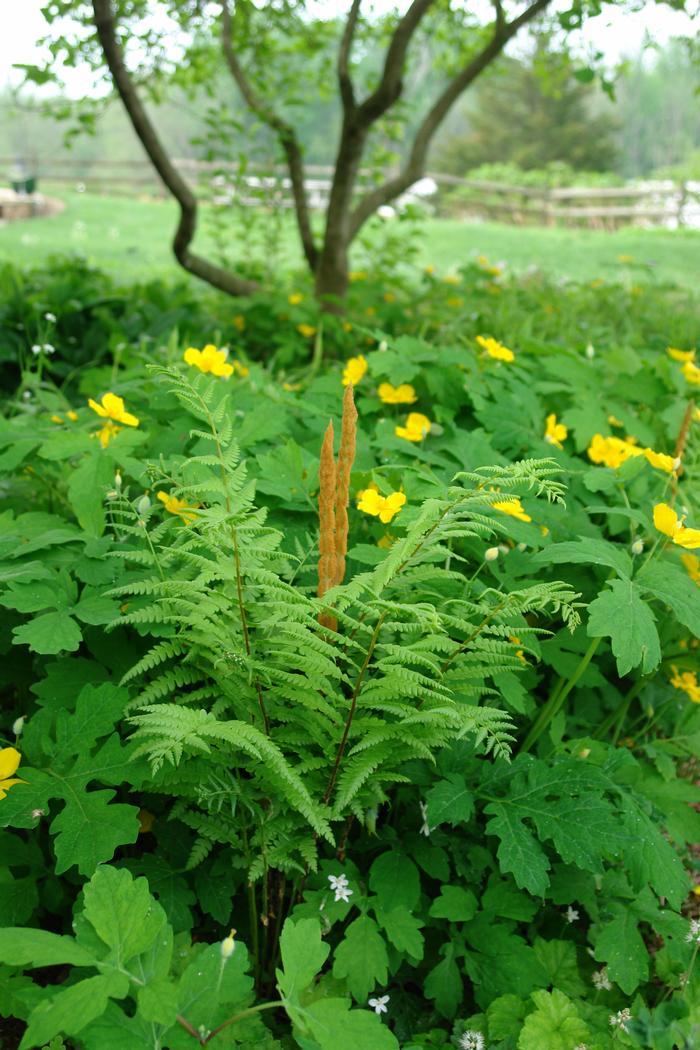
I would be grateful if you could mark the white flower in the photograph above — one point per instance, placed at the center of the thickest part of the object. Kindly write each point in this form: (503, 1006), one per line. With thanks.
(425, 827)
(472, 1040)
(379, 1005)
(693, 933)
(601, 980)
(571, 915)
(620, 1019)
(36, 349)
(50, 317)
(48, 348)
(341, 887)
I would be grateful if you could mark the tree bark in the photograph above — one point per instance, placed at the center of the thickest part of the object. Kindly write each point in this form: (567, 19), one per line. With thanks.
(215, 275)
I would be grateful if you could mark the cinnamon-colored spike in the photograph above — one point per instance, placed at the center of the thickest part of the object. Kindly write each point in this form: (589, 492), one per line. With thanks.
(326, 515)
(346, 458)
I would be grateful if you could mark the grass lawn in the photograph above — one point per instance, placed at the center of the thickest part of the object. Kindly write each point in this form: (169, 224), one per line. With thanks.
(132, 237)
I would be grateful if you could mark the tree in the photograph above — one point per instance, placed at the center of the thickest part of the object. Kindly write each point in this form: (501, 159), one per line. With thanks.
(261, 46)
(520, 116)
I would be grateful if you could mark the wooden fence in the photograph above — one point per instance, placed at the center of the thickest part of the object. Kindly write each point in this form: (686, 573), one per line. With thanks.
(651, 203)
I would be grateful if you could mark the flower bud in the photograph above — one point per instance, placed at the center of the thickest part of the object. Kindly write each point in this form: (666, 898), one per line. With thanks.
(228, 946)
(383, 346)
(117, 481)
(638, 546)
(590, 351)
(491, 554)
(18, 725)
(143, 506)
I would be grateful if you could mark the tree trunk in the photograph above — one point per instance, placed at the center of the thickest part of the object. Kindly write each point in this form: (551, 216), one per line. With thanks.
(332, 268)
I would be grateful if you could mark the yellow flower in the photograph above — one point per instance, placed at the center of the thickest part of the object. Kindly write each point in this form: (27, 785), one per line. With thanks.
(429, 269)
(513, 507)
(389, 297)
(370, 501)
(370, 311)
(615, 422)
(612, 451)
(295, 298)
(625, 258)
(692, 566)
(56, 419)
(10, 759)
(519, 652)
(495, 349)
(177, 506)
(667, 521)
(357, 275)
(452, 278)
(660, 460)
(355, 368)
(555, 432)
(455, 301)
(691, 372)
(597, 283)
(307, 330)
(347, 327)
(240, 369)
(487, 267)
(209, 359)
(106, 432)
(291, 387)
(416, 428)
(72, 415)
(112, 407)
(239, 322)
(680, 355)
(687, 681)
(397, 395)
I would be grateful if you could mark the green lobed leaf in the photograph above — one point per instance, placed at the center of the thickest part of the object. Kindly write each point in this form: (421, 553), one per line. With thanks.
(395, 880)
(554, 1025)
(303, 955)
(449, 801)
(122, 912)
(68, 1011)
(28, 947)
(361, 958)
(455, 904)
(622, 615)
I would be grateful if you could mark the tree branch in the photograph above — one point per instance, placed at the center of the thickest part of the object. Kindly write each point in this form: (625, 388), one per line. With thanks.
(284, 131)
(391, 83)
(347, 91)
(415, 165)
(215, 275)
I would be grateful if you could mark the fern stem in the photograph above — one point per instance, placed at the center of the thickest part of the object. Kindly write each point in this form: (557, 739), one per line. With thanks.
(254, 931)
(353, 707)
(554, 704)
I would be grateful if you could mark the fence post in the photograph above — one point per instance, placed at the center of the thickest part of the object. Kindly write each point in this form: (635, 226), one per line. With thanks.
(682, 201)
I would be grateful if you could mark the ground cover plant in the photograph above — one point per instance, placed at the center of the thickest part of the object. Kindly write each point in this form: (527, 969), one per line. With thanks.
(408, 700)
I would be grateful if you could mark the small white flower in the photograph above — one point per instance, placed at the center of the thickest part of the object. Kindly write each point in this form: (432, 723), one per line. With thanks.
(601, 980)
(620, 1019)
(638, 547)
(340, 887)
(425, 827)
(36, 349)
(472, 1040)
(571, 915)
(50, 317)
(48, 348)
(27, 395)
(693, 934)
(379, 1005)
(18, 725)
(491, 554)
(581, 1046)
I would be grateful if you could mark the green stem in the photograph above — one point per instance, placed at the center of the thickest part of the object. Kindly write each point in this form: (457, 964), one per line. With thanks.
(254, 931)
(619, 714)
(556, 700)
(250, 1012)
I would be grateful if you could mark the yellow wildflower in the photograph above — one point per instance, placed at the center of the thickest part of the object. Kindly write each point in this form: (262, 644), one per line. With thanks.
(209, 360)
(57, 419)
(357, 275)
(106, 432)
(555, 432)
(240, 369)
(692, 566)
(177, 506)
(680, 355)
(307, 330)
(519, 652)
(667, 521)
(660, 460)
(495, 349)
(370, 501)
(291, 387)
(513, 507)
(404, 394)
(612, 451)
(112, 407)
(370, 311)
(625, 258)
(239, 322)
(429, 269)
(416, 428)
(615, 422)
(452, 278)
(295, 298)
(347, 327)
(597, 283)
(10, 759)
(688, 682)
(691, 372)
(455, 301)
(355, 368)
(389, 297)
(487, 267)
(73, 416)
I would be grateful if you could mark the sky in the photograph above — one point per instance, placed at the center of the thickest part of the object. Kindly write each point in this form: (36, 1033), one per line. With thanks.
(615, 33)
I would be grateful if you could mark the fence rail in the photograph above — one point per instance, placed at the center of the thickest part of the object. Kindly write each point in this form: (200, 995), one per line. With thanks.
(665, 203)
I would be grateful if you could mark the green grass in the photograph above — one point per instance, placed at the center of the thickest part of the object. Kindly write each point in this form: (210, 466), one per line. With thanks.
(132, 238)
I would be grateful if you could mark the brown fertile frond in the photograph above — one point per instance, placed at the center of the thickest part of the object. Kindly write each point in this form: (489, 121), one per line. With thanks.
(326, 516)
(346, 458)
